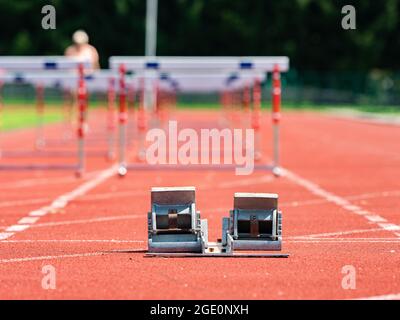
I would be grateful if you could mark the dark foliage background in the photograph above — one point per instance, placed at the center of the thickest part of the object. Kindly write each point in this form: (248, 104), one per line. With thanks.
(308, 31)
(327, 64)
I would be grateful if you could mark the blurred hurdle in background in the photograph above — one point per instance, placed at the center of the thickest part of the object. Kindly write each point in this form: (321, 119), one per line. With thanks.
(99, 81)
(70, 74)
(230, 76)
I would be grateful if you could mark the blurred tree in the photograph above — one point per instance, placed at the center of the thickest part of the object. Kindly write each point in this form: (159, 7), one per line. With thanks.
(308, 31)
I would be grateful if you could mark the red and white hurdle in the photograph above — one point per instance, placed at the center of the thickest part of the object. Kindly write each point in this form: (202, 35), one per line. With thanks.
(51, 64)
(200, 66)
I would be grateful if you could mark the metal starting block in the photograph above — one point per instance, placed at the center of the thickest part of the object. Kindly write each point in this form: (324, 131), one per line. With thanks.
(176, 230)
(255, 223)
(174, 225)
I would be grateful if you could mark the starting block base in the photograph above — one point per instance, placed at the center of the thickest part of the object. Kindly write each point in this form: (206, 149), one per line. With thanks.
(217, 255)
(216, 250)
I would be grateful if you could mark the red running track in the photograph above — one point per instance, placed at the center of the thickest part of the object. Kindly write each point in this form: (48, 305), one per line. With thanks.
(340, 202)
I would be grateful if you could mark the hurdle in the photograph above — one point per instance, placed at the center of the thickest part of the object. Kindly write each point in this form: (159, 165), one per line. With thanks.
(96, 81)
(230, 73)
(51, 64)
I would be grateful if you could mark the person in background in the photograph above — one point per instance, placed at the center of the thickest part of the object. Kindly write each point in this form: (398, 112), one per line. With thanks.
(82, 49)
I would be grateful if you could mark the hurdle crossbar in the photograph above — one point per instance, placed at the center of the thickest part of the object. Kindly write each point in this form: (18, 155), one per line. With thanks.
(264, 64)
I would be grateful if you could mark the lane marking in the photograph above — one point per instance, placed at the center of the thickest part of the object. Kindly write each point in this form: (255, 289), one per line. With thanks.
(5, 235)
(389, 226)
(341, 202)
(38, 212)
(84, 221)
(15, 203)
(28, 220)
(43, 181)
(375, 218)
(338, 233)
(17, 227)
(122, 194)
(72, 241)
(62, 201)
(39, 258)
(341, 240)
(244, 182)
(288, 240)
(392, 296)
(383, 194)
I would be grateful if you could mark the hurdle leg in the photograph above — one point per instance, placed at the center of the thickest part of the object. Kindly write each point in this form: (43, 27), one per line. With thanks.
(255, 121)
(40, 113)
(111, 119)
(67, 110)
(246, 105)
(142, 123)
(131, 124)
(276, 116)
(122, 167)
(82, 125)
(1, 115)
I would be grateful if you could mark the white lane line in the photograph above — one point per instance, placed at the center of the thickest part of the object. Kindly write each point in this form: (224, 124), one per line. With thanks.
(288, 240)
(84, 221)
(375, 218)
(122, 194)
(338, 233)
(232, 184)
(39, 212)
(363, 196)
(71, 241)
(39, 258)
(28, 220)
(341, 202)
(43, 181)
(244, 182)
(389, 226)
(392, 296)
(310, 240)
(16, 203)
(346, 240)
(17, 228)
(62, 200)
(5, 235)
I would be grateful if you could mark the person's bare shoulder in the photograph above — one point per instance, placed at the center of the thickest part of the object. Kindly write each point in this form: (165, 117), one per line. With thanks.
(70, 51)
(93, 49)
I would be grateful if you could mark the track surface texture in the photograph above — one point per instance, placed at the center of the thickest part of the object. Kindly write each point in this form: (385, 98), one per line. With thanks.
(339, 195)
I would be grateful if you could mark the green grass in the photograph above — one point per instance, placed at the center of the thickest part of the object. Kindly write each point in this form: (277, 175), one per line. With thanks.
(17, 118)
(306, 107)
(17, 115)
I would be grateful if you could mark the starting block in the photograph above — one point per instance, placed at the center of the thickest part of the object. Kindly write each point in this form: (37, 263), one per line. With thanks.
(255, 223)
(176, 230)
(174, 225)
